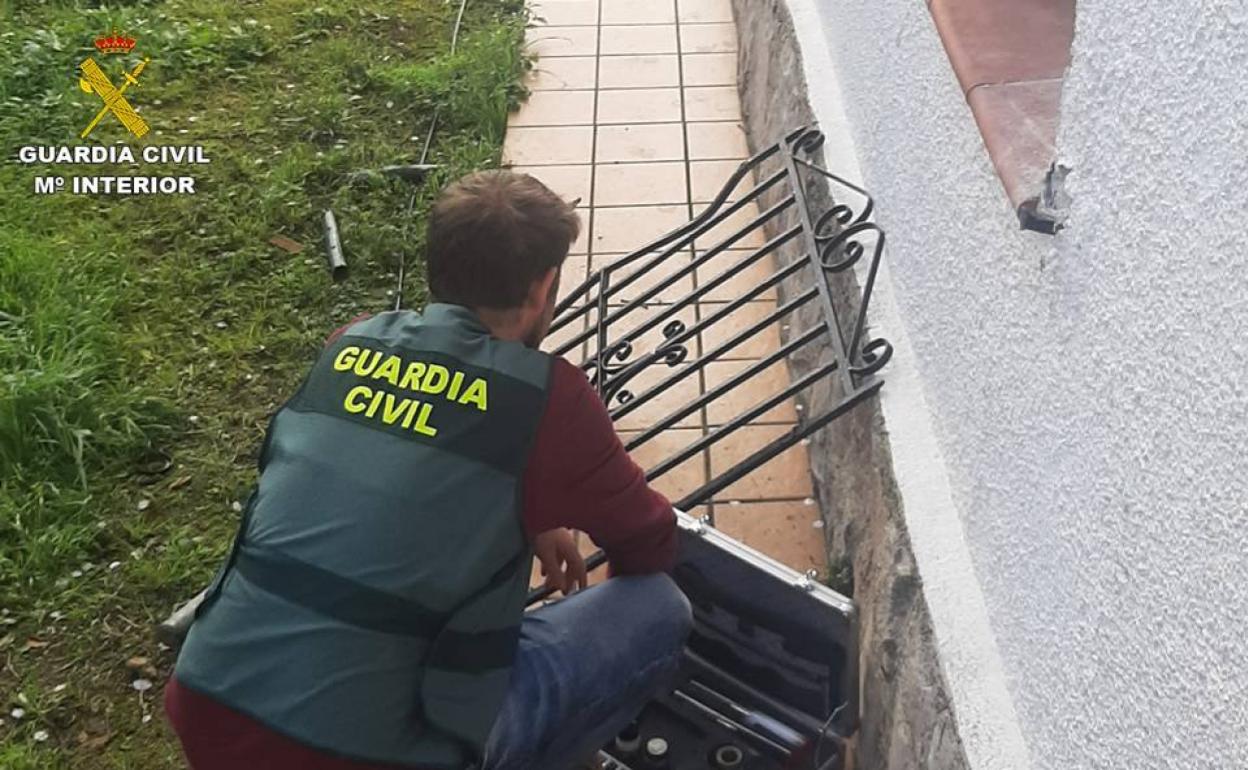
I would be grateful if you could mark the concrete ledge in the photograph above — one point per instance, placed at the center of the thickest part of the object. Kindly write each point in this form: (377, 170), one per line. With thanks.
(1009, 59)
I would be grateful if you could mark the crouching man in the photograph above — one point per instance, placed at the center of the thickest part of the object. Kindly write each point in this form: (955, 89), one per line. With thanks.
(371, 612)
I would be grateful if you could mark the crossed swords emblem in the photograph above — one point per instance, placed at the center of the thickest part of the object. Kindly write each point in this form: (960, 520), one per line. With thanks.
(94, 80)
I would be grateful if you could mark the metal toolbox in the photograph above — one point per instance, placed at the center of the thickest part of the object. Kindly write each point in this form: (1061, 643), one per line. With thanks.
(769, 679)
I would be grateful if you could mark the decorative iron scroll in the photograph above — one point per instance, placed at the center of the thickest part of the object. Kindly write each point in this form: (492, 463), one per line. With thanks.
(662, 314)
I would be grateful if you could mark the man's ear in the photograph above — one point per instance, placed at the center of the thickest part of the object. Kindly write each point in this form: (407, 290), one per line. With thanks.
(540, 291)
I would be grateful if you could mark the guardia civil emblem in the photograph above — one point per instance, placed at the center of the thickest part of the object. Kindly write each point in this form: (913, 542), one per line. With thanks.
(94, 80)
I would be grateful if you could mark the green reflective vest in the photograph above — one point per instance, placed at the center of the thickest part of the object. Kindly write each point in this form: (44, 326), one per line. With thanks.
(371, 605)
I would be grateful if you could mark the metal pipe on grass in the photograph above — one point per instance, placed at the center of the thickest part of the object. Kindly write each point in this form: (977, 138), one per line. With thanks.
(333, 248)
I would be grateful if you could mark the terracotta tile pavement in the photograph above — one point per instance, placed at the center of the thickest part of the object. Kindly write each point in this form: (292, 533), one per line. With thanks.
(634, 110)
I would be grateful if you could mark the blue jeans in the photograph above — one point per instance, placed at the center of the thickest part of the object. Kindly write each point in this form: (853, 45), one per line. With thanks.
(585, 667)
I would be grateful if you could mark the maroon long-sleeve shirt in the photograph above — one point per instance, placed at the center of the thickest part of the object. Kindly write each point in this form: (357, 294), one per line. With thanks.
(578, 476)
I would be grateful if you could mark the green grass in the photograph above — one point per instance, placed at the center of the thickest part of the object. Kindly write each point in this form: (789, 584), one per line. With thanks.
(133, 329)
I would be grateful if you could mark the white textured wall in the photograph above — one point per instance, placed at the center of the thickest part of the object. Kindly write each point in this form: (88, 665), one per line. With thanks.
(1089, 391)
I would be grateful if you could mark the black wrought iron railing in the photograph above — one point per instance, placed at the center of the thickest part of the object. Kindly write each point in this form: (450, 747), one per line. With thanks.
(759, 277)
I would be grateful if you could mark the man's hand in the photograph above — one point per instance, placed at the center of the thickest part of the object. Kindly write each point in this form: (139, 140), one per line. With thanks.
(562, 565)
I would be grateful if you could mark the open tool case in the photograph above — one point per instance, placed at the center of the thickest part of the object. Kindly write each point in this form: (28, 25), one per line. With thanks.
(769, 677)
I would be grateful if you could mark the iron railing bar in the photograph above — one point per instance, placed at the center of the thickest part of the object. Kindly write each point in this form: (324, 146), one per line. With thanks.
(562, 317)
(877, 254)
(741, 420)
(813, 256)
(756, 460)
(732, 208)
(722, 388)
(693, 297)
(689, 300)
(863, 215)
(743, 500)
(765, 454)
(697, 294)
(674, 343)
(711, 215)
(600, 380)
(638, 401)
(628, 279)
(562, 305)
(762, 251)
(696, 328)
(565, 304)
(816, 256)
(741, 232)
(830, 244)
(585, 285)
(765, 250)
(568, 302)
(678, 340)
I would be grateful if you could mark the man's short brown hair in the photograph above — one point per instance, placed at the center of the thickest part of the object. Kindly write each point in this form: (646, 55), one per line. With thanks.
(492, 234)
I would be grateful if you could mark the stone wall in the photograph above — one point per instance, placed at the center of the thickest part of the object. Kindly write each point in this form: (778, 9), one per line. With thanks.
(907, 721)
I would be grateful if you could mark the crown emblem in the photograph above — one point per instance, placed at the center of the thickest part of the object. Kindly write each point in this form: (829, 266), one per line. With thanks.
(115, 43)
